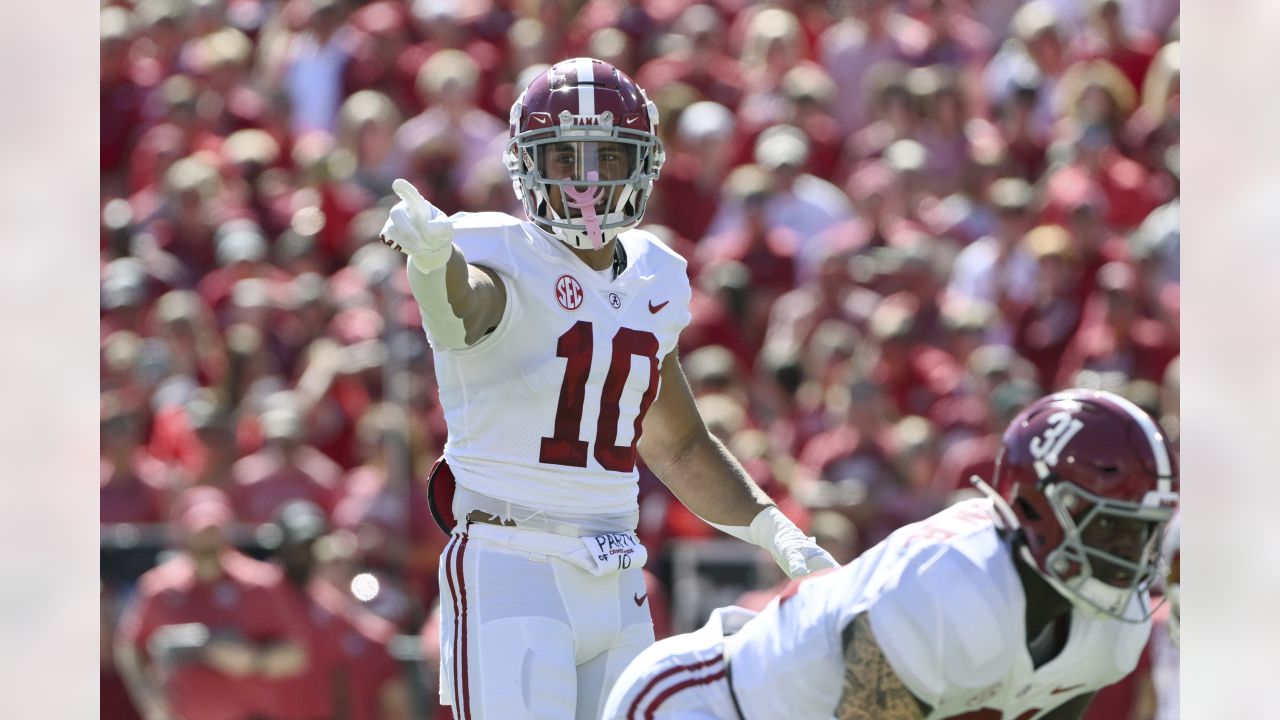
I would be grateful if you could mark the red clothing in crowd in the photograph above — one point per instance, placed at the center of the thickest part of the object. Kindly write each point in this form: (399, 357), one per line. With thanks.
(963, 460)
(918, 379)
(684, 204)
(346, 658)
(717, 78)
(844, 453)
(136, 493)
(247, 601)
(1124, 183)
(393, 525)
(266, 480)
(1142, 354)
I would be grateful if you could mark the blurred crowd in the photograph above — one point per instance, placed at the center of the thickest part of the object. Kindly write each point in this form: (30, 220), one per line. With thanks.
(904, 220)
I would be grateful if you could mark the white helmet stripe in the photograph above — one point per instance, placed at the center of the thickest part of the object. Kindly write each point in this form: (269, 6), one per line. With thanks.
(586, 90)
(1164, 468)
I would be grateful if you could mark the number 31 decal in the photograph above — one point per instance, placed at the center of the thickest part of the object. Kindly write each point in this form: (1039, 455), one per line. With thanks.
(575, 346)
(1046, 448)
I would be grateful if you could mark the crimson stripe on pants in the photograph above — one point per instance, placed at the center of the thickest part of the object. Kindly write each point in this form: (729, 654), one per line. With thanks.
(653, 682)
(665, 694)
(462, 592)
(449, 553)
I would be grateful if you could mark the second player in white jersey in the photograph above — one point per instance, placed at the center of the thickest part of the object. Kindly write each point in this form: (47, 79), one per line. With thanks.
(968, 614)
(947, 609)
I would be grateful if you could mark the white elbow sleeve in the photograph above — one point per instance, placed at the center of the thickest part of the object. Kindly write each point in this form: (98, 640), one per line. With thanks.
(444, 328)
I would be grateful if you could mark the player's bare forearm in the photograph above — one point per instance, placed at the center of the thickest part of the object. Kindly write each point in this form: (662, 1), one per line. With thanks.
(872, 690)
(697, 467)
(476, 295)
(709, 481)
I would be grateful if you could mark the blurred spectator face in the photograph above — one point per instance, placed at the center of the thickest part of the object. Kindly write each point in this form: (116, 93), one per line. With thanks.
(918, 453)
(219, 445)
(1087, 229)
(1089, 147)
(1013, 223)
(705, 129)
(113, 43)
(119, 436)
(1121, 308)
(873, 12)
(298, 561)
(282, 421)
(301, 524)
(1119, 286)
(1058, 274)
(771, 42)
(836, 534)
(1046, 50)
(1096, 105)
(783, 150)
(866, 406)
(373, 143)
(212, 425)
(704, 28)
(202, 516)
(833, 277)
(948, 110)
(326, 17)
(896, 106)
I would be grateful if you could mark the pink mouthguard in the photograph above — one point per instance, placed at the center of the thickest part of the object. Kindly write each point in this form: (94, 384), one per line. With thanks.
(585, 201)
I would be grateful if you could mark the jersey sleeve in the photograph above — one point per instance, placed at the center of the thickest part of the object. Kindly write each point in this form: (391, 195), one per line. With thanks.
(672, 271)
(491, 240)
(942, 627)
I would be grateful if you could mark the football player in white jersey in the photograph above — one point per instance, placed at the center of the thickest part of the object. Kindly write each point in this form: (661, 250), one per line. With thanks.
(555, 354)
(1017, 605)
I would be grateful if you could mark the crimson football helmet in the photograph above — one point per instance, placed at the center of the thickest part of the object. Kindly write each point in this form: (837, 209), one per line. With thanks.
(1088, 482)
(585, 133)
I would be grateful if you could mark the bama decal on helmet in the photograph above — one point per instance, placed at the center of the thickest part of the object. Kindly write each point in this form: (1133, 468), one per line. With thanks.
(1047, 447)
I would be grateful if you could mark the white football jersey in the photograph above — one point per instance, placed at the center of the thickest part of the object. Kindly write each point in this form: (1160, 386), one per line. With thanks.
(545, 411)
(947, 609)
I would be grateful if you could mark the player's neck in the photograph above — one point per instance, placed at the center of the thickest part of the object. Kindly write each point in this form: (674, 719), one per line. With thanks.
(1044, 604)
(601, 259)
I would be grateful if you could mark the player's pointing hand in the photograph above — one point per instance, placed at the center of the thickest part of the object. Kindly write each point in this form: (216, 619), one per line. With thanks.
(418, 229)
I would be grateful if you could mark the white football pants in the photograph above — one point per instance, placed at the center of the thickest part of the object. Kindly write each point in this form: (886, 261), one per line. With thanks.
(684, 677)
(524, 634)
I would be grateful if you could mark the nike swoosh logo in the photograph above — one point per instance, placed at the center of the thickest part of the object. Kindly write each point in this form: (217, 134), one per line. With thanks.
(1057, 690)
(655, 308)
(641, 598)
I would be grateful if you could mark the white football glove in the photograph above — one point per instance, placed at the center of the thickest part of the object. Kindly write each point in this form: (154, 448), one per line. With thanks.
(795, 553)
(418, 229)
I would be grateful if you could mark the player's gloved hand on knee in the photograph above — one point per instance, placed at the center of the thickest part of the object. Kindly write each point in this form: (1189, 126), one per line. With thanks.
(418, 229)
(797, 554)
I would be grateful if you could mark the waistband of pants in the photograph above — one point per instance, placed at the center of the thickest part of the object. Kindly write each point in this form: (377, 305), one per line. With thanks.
(475, 507)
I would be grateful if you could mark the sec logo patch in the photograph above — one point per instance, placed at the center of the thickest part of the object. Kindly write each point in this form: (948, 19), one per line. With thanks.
(569, 292)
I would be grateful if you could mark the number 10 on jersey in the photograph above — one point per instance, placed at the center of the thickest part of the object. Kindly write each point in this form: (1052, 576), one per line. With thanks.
(565, 447)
